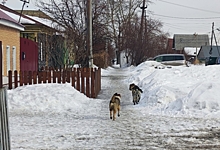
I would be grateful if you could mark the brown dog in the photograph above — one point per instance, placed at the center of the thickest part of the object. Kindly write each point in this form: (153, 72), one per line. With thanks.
(114, 105)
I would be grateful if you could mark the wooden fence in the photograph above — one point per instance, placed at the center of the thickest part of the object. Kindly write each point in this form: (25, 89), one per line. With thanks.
(85, 80)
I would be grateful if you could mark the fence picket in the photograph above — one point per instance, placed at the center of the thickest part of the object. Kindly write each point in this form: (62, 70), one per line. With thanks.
(16, 78)
(30, 77)
(78, 79)
(25, 78)
(93, 83)
(40, 77)
(21, 78)
(49, 76)
(73, 78)
(82, 80)
(10, 79)
(59, 76)
(85, 80)
(54, 76)
(35, 77)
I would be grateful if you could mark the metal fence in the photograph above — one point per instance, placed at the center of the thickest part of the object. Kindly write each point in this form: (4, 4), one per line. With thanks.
(4, 126)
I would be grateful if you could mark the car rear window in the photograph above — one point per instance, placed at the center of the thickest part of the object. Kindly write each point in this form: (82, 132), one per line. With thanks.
(172, 58)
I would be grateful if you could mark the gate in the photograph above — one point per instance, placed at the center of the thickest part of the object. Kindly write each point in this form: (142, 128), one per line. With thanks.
(28, 55)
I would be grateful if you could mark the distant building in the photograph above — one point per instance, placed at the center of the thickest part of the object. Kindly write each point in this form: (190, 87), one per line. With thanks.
(10, 36)
(180, 41)
(208, 51)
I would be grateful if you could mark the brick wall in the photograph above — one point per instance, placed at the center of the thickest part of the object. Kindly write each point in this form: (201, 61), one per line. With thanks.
(10, 37)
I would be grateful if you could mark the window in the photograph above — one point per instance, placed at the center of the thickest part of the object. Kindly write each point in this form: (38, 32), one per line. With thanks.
(14, 57)
(3, 60)
(159, 59)
(179, 58)
(41, 51)
(8, 58)
(172, 58)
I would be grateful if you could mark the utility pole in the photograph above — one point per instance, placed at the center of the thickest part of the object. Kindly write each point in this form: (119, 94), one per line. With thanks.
(143, 7)
(142, 20)
(24, 2)
(89, 32)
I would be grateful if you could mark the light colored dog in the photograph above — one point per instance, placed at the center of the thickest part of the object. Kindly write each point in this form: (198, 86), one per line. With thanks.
(136, 93)
(114, 105)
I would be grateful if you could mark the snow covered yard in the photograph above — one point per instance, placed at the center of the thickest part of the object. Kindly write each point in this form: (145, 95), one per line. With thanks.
(179, 109)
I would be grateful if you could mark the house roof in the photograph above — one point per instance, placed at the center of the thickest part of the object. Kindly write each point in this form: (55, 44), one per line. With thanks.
(205, 52)
(190, 40)
(8, 21)
(191, 51)
(25, 19)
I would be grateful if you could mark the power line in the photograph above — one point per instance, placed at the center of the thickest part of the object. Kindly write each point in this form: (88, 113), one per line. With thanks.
(190, 7)
(186, 17)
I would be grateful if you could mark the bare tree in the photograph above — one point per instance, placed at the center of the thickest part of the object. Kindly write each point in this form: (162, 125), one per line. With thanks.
(70, 17)
(116, 25)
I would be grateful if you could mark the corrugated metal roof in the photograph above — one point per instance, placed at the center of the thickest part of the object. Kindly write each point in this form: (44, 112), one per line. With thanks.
(190, 40)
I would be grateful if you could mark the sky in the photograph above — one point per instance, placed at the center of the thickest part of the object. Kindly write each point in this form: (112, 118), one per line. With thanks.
(187, 16)
(178, 16)
(178, 109)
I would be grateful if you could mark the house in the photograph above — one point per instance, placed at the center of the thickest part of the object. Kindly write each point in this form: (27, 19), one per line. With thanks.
(38, 39)
(189, 44)
(180, 41)
(10, 36)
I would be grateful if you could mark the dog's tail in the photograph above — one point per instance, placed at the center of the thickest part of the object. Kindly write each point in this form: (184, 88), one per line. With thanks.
(140, 90)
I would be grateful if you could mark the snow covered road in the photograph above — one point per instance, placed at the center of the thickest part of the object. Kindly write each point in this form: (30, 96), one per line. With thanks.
(90, 128)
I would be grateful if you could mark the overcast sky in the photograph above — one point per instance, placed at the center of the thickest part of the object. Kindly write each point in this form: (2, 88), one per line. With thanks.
(178, 16)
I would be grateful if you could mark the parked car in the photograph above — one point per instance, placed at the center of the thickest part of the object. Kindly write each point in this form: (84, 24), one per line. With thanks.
(171, 59)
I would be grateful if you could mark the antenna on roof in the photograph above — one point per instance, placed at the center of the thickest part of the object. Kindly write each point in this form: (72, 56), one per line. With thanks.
(4, 1)
(24, 2)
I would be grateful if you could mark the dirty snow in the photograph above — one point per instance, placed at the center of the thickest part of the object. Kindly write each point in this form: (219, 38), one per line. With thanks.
(179, 109)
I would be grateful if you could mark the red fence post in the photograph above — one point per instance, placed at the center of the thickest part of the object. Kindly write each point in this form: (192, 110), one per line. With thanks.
(78, 79)
(30, 77)
(54, 76)
(82, 80)
(16, 78)
(21, 78)
(35, 77)
(88, 88)
(63, 75)
(59, 76)
(68, 76)
(44, 76)
(10, 79)
(73, 77)
(25, 77)
(49, 76)
(92, 83)
(39, 77)
(99, 79)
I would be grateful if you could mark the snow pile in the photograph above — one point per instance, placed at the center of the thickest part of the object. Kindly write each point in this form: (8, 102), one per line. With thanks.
(179, 90)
